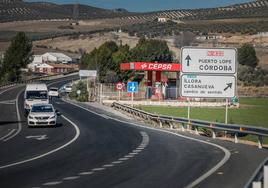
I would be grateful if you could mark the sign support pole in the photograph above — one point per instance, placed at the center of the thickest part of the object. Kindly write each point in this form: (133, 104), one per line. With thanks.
(132, 99)
(119, 95)
(188, 114)
(226, 112)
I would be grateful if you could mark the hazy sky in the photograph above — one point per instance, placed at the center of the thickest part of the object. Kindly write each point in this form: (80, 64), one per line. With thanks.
(150, 5)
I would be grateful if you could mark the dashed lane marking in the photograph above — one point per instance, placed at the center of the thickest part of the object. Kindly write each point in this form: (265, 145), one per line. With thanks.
(104, 167)
(98, 169)
(108, 165)
(85, 173)
(52, 183)
(71, 178)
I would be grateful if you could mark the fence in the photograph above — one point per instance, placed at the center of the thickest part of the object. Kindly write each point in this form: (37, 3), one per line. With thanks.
(109, 92)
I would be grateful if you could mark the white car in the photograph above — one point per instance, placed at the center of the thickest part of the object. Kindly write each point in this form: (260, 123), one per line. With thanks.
(53, 92)
(68, 88)
(42, 114)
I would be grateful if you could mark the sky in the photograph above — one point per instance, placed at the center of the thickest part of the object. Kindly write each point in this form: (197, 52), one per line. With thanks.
(150, 5)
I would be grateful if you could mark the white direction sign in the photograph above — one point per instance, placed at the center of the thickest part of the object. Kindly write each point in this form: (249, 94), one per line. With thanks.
(87, 73)
(208, 60)
(207, 86)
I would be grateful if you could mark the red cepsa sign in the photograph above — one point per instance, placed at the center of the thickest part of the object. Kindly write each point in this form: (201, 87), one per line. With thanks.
(147, 66)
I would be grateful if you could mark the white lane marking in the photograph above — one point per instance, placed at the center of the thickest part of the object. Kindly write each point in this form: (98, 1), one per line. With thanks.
(37, 137)
(117, 162)
(53, 183)
(71, 178)
(8, 134)
(50, 152)
(128, 156)
(108, 165)
(85, 173)
(104, 116)
(7, 102)
(98, 169)
(133, 153)
(123, 159)
(226, 157)
(18, 118)
(137, 150)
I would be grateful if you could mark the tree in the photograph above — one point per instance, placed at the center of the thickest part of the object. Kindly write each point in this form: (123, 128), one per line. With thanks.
(247, 56)
(151, 50)
(16, 57)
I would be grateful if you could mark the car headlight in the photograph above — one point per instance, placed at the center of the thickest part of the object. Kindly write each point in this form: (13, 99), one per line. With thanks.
(52, 117)
(31, 117)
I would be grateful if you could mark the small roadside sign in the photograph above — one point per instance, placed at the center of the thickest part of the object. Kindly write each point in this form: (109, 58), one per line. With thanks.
(120, 86)
(208, 86)
(208, 60)
(132, 87)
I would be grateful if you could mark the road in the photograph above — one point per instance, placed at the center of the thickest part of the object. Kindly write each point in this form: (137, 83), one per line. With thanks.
(92, 148)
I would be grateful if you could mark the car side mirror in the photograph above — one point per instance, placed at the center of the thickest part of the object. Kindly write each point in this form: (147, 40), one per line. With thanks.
(58, 112)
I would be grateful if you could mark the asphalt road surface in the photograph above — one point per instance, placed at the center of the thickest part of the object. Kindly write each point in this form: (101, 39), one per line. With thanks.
(91, 148)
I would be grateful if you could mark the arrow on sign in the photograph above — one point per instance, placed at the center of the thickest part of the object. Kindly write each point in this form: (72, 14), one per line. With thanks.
(188, 59)
(132, 87)
(229, 85)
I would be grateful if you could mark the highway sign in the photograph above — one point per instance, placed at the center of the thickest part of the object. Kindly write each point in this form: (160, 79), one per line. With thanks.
(208, 60)
(208, 86)
(132, 87)
(87, 73)
(120, 86)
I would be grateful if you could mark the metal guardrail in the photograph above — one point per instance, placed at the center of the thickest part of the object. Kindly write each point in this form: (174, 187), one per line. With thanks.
(260, 177)
(191, 124)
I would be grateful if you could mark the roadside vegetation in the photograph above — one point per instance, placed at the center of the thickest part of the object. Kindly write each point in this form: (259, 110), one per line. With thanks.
(16, 57)
(107, 58)
(79, 91)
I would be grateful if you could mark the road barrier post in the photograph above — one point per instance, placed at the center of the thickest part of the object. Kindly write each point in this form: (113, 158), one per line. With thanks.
(260, 142)
(265, 177)
(213, 134)
(236, 138)
(256, 185)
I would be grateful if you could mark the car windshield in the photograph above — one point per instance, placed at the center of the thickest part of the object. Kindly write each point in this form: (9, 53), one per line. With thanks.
(42, 108)
(53, 89)
(36, 95)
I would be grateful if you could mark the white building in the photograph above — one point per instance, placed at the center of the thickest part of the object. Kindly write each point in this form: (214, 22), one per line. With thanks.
(162, 19)
(37, 60)
(56, 57)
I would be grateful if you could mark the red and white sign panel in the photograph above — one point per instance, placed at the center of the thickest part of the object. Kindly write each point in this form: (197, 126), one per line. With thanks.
(208, 60)
(147, 66)
(120, 86)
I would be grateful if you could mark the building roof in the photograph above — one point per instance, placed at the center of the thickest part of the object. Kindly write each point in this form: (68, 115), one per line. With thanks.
(58, 55)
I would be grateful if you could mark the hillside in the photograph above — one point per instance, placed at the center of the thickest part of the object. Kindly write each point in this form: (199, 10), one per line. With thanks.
(17, 10)
(254, 9)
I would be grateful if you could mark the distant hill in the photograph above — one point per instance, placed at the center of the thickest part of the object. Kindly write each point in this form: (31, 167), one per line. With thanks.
(254, 9)
(15, 10)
